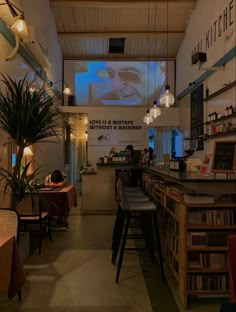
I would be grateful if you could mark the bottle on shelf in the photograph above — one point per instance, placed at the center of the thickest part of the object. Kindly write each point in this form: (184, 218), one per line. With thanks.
(209, 117)
(221, 126)
(217, 130)
(231, 110)
(215, 115)
(226, 111)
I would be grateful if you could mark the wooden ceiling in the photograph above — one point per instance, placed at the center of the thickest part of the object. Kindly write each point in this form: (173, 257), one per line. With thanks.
(84, 27)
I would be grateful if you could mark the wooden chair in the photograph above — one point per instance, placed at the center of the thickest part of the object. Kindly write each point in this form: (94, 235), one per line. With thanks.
(30, 212)
(9, 227)
(8, 223)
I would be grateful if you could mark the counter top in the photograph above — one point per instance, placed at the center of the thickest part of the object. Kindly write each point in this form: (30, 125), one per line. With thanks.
(88, 172)
(119, 164)
(190, 177)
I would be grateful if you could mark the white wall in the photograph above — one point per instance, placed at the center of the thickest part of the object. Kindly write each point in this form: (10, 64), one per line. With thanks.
(206, 15)
(39, 16)
(116, 137)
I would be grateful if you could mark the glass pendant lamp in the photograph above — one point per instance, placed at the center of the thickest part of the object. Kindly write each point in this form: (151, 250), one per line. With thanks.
(147, 119)
(155, 111)
(167, 99)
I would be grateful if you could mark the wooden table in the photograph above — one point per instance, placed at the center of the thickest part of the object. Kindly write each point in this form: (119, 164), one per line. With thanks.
(59, 201)
(12, 274)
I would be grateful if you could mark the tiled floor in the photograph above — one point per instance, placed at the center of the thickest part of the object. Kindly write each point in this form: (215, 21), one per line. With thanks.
(75, 274)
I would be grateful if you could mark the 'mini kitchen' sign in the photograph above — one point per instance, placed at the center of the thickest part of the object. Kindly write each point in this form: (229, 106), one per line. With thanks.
(222, 26)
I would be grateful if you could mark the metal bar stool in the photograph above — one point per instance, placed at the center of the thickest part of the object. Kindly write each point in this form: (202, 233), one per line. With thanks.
(127, 211)
(133, 194)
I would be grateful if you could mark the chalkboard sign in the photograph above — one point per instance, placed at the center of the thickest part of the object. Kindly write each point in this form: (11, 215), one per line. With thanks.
(224, 157)
(196, 118)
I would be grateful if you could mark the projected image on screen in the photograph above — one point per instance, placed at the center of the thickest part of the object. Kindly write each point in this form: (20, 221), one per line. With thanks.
(118, 83)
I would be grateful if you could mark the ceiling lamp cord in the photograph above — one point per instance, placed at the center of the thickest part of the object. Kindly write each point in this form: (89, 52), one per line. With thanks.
(147, 119)
(155, 111)
(167, 99)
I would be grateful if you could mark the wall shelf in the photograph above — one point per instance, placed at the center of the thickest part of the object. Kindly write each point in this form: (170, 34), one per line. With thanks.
(222, 134)
(220, 119)
(218, 92)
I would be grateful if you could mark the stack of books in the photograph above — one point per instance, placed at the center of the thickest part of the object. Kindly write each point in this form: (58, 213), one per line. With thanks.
(199, 198)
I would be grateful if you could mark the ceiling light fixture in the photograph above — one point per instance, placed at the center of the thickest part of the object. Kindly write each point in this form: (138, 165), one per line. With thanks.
(66, 91)
(19, 27)
(155, 111)
(147, 119)
(167, 99)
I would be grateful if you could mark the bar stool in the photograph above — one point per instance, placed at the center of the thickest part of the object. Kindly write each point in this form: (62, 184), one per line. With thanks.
(127, 211)
(124, 174)
(133, 194)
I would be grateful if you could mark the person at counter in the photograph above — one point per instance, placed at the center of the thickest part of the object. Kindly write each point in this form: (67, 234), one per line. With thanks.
(133, 159)
(129, 150)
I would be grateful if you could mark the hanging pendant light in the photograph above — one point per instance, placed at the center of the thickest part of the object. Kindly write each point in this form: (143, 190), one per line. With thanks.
(167, 99)
(147, 119)
(155, 111)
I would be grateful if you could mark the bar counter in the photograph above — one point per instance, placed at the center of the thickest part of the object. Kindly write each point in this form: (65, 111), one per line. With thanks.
(98, 190)
(215, 184)
(191, 177)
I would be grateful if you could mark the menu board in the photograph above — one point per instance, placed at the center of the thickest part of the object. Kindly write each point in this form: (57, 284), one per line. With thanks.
(224, 157)
(196, 118)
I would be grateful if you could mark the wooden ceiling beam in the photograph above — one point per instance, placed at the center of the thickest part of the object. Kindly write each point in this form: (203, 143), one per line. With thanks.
(115, 57)
(190, 4)
(141, 34)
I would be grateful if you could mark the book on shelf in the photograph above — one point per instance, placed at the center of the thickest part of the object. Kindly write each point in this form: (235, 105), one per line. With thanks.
(198, 239)
(199, 198)
(212, 217)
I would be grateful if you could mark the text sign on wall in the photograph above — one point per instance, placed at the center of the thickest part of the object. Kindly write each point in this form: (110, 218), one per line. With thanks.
(113, 124)
(115, 132)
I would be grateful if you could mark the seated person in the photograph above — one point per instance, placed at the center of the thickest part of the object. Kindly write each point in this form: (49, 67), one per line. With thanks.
(57, 179)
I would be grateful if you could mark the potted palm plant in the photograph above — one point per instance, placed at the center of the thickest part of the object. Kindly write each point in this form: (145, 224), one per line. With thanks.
(28, 116)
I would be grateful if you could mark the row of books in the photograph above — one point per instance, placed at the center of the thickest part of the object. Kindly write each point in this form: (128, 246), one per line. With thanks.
(171, 204)
(207, 261)
(208, 282)
(212, 217)
(170, 258)
(173, 243)
(170, 224)
(210, 238)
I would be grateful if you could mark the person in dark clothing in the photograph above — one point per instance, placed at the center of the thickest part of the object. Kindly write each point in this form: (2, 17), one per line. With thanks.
(135, 173)
(129, 150)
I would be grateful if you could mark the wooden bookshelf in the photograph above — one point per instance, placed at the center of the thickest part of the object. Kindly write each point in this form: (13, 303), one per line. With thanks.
(199, 266)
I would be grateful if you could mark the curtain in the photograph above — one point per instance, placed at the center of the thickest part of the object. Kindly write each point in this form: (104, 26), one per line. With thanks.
(163, 142)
